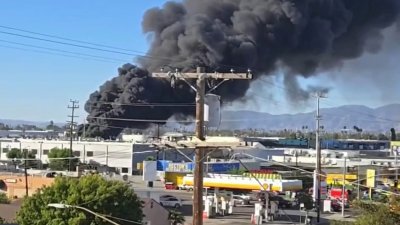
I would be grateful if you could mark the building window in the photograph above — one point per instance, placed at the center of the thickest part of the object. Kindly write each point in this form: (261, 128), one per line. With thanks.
(77, 153)
(5, 150)
(45, 152)
(89, 154)
(124, 170)
(34, 151)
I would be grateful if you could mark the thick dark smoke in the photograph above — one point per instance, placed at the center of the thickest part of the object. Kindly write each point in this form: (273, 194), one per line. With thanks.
(302, 36)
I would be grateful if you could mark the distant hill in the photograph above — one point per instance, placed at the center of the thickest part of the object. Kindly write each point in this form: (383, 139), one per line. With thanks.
(333, 119)
(14, 123)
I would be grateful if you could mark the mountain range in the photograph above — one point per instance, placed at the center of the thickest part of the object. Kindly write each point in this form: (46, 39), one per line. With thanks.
(379, 119)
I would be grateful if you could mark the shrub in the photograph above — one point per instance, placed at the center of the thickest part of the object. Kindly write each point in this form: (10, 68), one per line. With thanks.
(4, 199)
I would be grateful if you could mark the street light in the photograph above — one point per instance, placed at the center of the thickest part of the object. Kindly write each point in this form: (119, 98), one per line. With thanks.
(64, 206)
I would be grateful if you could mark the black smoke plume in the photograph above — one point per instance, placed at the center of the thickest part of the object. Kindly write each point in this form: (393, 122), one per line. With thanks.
(302, 36)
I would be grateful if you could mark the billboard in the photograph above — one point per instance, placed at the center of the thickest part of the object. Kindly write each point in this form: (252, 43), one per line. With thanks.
(371, 178)
(221, 167)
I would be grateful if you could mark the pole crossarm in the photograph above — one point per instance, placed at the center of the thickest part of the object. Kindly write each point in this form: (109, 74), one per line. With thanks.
(229, 76)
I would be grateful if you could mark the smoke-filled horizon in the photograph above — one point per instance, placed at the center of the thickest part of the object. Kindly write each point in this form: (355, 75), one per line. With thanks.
(301, 38)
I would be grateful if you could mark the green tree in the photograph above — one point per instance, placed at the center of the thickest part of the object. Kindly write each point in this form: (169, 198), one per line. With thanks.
(17, 155)
(150, 158)
(50, 126)
(382, 137)
(393, 136)
(59, 159)
(307, 200)
(176, 217)
(376, 213)
(2, 221)
(105, 197)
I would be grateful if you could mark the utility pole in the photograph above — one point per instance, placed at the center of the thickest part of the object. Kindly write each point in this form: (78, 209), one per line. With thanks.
(317, 173)
(200, 90)
(26, 172)
(71, 129)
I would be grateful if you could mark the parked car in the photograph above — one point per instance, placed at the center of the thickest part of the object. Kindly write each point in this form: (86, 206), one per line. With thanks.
(170, 186)
(336, 206)
(244, 196)
(185, 187)
(260, 196)
(282, 203)
(171, 202)
(166, 196)
(239, 200)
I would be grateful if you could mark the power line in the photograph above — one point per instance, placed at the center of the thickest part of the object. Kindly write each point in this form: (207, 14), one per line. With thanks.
(63, 51)
(111, 49)
(87, 47)
(65, 43)
(140, 120)
(52, 53)
(69, 39)
(144, 104)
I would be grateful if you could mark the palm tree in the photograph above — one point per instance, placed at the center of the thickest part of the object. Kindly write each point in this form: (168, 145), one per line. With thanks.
(176, 217)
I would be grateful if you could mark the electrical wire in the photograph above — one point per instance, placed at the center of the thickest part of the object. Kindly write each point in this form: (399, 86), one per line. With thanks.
(68, 39)
(63, 51)
(111, 49)
(64, 43)
(121, 219)
(140, 120)
(144, 104)
(52, 53)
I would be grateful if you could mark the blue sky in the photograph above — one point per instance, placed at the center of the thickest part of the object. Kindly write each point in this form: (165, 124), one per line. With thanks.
(37, 86)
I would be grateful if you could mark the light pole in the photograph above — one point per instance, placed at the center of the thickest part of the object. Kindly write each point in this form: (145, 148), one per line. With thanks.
(317, 172)
(64, 206)
(344, 185)
(358, 181)
(395, 159)
(208, 162)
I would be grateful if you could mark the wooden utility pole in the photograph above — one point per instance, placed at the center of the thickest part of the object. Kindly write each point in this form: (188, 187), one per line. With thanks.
(200, 89)
(71, 130)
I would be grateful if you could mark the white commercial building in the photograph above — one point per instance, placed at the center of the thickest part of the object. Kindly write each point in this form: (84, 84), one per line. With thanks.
(123, 157)
(117, 155)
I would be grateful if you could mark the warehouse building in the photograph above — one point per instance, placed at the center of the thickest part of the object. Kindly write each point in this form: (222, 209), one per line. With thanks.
(121, 157)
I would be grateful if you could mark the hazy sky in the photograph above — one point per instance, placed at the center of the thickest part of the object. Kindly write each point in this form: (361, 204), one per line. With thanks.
(38, 85)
